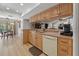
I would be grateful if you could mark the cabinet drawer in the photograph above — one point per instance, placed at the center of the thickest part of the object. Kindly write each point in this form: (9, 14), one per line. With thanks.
(62, 42)
(65, 42)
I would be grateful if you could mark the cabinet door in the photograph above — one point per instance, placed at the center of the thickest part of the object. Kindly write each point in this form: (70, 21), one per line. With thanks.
(25, 36)
(42, 16)
(38, 41)
(35, 18)
(48, 14)
(33, 38)
(65, 47)
(39, 17)
(70, 11)
(30, 37)
(54, 12)
(70, 51)
(65, 9)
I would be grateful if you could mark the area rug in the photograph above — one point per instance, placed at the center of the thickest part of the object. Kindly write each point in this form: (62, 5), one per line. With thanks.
(35, 51)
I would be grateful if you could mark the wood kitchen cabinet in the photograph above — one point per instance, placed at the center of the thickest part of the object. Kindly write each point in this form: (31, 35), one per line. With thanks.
(25, 36)
(59, 11)
(54, 12)
(65, 9)
(65, 47)
(30, 37)
(42, 16)
(35, 38)
(39, 17)
(32, 19)
(48, 14)
(38, 40)
(35, 18)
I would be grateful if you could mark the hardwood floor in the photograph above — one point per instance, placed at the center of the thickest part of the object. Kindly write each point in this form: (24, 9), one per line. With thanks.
(14, 47)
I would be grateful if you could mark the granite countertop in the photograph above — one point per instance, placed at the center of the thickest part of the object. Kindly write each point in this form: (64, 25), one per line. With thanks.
(56, 34)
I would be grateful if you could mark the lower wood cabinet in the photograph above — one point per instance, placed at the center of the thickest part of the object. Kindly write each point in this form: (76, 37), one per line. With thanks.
(25, 36)
(35, 38)
(30, 37)
(38, 41)
(65, 47)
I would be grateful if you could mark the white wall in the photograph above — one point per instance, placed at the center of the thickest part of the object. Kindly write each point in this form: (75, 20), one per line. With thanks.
(19, 32)
(20, 28)
(26, 24)
(76, 29)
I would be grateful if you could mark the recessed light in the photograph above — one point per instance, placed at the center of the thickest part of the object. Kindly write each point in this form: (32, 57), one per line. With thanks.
(21, 4)
(7, 8)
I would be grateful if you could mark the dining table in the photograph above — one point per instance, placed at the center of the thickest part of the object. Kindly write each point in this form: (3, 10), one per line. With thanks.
(5, 34)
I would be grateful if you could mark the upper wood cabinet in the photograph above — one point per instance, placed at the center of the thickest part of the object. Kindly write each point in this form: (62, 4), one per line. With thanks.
(32, 19)
(38, 16)
(65, 9)
(41, 16)
(56, 12)
(47, 14)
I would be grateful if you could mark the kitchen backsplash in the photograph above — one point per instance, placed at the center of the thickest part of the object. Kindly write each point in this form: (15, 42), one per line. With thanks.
(55, 24)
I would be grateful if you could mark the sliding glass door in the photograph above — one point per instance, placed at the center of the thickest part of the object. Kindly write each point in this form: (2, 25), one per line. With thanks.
(7, 26)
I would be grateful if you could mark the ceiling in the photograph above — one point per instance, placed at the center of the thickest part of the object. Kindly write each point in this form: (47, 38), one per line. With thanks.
(22, 10)
(4, 20)
(41, 7)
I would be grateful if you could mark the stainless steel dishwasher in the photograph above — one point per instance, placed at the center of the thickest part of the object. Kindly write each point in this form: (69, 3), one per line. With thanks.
(50, 45)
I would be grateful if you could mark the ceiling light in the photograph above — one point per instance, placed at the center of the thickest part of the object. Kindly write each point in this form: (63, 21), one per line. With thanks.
(7, 8)
(21, 4)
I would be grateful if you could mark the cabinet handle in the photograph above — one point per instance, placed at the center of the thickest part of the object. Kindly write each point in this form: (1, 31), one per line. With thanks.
(64, 42)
